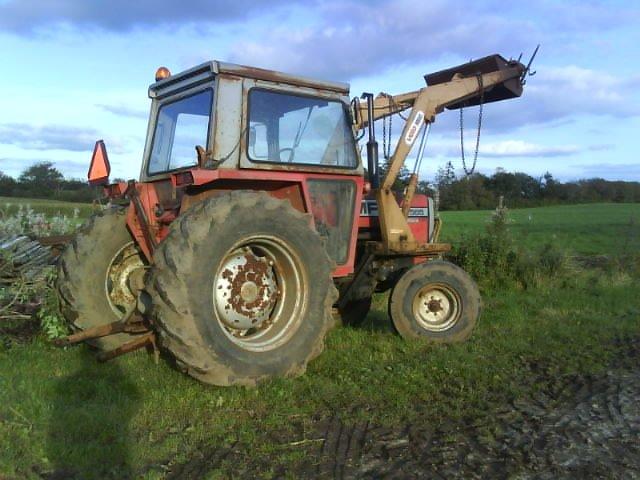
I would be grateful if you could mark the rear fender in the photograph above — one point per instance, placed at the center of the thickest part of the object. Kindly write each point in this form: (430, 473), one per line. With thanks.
(294, 192)
(193, 186)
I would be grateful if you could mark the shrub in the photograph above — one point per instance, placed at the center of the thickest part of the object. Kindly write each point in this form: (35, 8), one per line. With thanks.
(494, 260)
(25, 221)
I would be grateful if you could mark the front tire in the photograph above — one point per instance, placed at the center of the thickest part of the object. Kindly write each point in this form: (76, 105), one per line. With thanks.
(242, 290)
(437, 301)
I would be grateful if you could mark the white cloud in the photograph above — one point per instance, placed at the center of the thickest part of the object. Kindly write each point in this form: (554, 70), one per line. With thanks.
(27, 16)
(519, 148)
(124, 111)
(353, 38)
(503, 149)
(54, 137)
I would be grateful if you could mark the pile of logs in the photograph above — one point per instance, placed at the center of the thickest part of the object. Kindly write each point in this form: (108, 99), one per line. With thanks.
(24, 265)
(22, 257)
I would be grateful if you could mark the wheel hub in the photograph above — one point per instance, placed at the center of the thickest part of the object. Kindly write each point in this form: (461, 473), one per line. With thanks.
(123, 278)
(245, 290)
(435, 305)
(436, 308)
(249, 292)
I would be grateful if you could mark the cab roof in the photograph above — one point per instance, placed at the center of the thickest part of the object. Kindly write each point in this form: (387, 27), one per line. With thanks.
(207, 71)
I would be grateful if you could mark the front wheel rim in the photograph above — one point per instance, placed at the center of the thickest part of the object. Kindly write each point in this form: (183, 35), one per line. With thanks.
(437, 307)
(258, 293)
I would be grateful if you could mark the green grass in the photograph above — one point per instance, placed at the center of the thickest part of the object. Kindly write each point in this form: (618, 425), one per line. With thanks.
(9, 205)
(59, 409)
(599, 228)
(62, 411)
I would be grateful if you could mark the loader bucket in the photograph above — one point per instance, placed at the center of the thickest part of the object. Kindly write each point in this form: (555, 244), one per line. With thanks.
(509, 89)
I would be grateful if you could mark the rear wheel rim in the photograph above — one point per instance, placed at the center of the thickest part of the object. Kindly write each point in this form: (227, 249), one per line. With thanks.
(117, 287)
(259, 293)
(437, 307)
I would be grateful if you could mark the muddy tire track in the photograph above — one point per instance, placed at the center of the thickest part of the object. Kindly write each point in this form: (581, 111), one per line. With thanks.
(580, 427)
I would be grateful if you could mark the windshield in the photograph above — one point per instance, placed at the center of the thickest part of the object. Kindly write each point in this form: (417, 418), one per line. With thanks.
(287, 128)
(181, 125)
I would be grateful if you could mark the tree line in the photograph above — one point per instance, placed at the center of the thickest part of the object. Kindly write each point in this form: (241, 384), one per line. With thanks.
(476, 191)
(43, 180)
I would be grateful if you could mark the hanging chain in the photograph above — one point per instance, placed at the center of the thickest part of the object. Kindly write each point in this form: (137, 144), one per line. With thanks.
(384, 139)
(388, 154)
(386, 136)
(475, 155)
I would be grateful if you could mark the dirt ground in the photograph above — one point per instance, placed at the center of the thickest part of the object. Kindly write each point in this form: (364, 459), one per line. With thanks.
(582, 427)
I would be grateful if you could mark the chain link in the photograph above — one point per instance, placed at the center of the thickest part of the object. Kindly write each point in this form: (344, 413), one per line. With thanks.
(475, 155)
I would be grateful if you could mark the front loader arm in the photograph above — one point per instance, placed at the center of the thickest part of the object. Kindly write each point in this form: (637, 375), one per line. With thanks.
(425, 104)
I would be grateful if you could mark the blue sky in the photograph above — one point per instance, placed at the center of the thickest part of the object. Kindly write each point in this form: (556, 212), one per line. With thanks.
(74, 71)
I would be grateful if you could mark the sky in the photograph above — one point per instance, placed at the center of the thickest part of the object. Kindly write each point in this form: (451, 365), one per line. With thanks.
(73, 71)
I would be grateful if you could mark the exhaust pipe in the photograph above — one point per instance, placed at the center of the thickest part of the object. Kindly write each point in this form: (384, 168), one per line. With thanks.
(372, 145)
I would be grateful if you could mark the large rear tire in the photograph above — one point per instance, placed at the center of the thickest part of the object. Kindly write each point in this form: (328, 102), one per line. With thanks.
(241, 290)
(93, 275)
(436, 301)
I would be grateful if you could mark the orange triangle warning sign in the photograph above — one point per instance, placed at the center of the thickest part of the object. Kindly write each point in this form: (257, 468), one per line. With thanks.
(99, 169)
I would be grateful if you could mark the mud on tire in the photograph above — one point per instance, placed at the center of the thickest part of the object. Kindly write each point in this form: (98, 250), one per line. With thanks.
(216, 248)
(82, 282)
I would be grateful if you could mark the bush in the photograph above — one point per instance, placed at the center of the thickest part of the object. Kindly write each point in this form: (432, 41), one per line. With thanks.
(493, 259)
(25, 221)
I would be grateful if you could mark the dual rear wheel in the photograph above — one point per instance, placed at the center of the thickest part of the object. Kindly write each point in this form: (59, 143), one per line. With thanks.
(241, 288)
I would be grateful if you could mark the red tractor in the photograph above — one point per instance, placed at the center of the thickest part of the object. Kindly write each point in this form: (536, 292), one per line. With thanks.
(238, 257)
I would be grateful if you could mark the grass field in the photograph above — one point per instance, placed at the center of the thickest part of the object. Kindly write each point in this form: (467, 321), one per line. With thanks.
(589, 229)
(62, 412)
(592, 229)
(9, 205)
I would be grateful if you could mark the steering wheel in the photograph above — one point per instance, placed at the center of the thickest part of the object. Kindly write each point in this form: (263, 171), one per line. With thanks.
(291, 151)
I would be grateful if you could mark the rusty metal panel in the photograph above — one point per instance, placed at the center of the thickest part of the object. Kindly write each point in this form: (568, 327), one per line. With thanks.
(510, 89)
(180, 81)
(279, 77)
(332, 207)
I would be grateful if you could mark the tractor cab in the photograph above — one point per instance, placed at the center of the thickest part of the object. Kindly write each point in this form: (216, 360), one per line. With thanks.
(248, 118)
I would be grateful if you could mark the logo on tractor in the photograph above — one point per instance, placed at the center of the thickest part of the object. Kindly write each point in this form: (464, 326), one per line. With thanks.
(414, 128)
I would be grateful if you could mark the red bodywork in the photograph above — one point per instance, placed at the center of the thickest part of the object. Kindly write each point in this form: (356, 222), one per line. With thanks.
(161, 207)
(419, 224)
(162, 201)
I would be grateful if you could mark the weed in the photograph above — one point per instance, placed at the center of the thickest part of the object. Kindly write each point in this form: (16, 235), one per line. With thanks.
(51, 321)
(25, 221)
